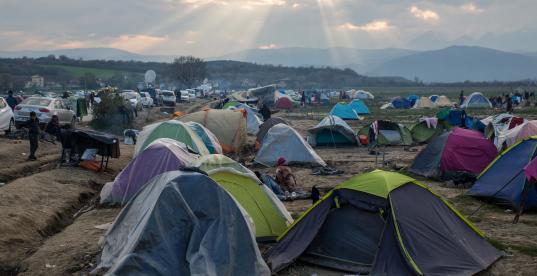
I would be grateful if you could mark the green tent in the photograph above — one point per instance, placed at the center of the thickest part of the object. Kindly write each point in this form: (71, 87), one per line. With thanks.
(421, 133)
(172, 129)
(384, 223)
(230, 104)
(268, 214)
(389, 134)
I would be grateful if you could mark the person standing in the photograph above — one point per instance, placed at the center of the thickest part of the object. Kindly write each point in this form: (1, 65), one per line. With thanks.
(303, 99)
(461, 97)
(265, 112)
(11, 101)
(509, 104)
(33, 134)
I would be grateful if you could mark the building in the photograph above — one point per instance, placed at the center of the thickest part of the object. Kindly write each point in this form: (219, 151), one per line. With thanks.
(37, 82)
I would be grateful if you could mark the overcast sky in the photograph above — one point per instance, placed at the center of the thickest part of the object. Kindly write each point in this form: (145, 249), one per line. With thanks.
(211, 28)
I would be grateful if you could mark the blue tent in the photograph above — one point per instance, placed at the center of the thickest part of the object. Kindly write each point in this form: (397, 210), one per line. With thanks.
(433, 98)
(412, 98)
(349, 111)
(503, 180)
(401, 103)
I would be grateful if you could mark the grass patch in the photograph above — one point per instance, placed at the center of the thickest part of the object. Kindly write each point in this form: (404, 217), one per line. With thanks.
(80, 71)
(530, 250)
(499, 245)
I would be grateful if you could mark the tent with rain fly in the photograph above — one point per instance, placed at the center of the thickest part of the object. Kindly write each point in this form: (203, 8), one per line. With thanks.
(332, 131)
(443, 101)
(503, 181)
(181, 223)
(460, 150)
(267, 212)
(172, 129)
(387, 133)
(424, 132)
(423, 102)
(252, 119)
(373, 224)
(161, 156)
(476, 100)
(208, 138)
(229, 126)
(283, 141)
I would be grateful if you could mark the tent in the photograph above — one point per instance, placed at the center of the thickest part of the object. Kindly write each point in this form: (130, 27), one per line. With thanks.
(267, 212)
(422, 132)
(460, 150)
(283, 141)
(230, 104)
(373, 224)
(208, 138)
(388, 133)
(229, 126)
(476, 100)
(433, 98)
(443, 101)
(518, 133)
(399, 103)
(264, 128)
(181, 223)
(350, 111)
(503, 181)
(282, 101)
(252, 119)
(172, 129)
(498, 128)
(413, 99)
(161, 156)
(360, 94)
(332, 131)
(423, 102)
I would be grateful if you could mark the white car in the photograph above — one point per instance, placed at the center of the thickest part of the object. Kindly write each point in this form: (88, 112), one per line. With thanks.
(168, 97)
(184, 96)
(7, 119)
(147, 101)
(191, 94)
(134, 98)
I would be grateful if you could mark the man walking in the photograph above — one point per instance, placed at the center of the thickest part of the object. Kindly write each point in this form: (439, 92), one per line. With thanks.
(33, 133)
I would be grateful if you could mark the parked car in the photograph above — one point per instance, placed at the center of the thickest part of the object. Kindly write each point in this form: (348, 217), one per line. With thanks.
(184, 96)
(147, 101)
(44, 108)
(7, 119)
(168, 97)
(191, 94)
(133, 97)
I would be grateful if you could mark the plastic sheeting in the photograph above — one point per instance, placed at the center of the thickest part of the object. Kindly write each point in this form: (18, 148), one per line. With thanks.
(516, 134)
(172, 129)
(161, 156)
(283, 141)
(329, 130)
(182, 223)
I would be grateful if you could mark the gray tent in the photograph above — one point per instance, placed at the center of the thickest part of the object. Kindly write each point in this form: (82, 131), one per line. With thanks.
(283, 141)
(182, 223)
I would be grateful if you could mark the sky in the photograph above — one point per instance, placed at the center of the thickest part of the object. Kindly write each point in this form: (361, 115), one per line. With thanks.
(211, 28)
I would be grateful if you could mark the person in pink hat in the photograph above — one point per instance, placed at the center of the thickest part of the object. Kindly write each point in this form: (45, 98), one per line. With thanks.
(284, 176)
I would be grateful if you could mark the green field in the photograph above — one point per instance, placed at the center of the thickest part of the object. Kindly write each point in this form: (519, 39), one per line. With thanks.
(80, 71)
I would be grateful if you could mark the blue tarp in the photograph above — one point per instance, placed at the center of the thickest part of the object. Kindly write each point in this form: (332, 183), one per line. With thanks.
(504, 181)
(350, 111)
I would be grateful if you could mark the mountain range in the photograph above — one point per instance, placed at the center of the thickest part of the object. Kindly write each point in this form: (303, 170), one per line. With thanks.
(451, 64)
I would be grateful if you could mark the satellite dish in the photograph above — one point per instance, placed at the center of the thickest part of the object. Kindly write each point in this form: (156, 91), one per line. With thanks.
(150, 76)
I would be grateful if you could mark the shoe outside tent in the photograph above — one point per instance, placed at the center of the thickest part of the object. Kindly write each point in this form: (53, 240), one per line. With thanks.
(373, 224)
(229, 126)
(181, 223)
(267, 212)
(476, 100)
(172, 129)
(460, 150)
(387, 133)
(283, 141)
(161, 156)
(332, 131)
(503, 181)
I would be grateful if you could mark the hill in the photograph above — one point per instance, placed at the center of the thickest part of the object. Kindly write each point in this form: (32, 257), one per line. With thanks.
(88, 54)
(461, 63)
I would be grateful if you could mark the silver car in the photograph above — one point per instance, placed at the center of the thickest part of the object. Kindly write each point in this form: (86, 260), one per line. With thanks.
(45, 108)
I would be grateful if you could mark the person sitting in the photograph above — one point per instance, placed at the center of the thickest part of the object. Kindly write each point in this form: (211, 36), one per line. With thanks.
(270, 183)
(284, 176)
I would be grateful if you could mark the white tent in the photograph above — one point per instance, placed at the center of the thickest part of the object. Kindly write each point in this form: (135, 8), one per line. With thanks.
(443, 101)
(476, 100)
(423, 102)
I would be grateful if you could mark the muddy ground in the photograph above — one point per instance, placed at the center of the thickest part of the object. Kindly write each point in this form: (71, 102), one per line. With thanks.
(50, 225)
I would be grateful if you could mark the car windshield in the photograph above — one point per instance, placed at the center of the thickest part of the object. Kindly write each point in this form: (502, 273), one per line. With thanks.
(37, 101)
(168, 94)
(129, 96)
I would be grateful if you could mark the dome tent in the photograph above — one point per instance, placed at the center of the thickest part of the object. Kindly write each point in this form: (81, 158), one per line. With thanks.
(476, 100)
(172, 129)
(208, 138)
(204, 231)
(332, 131)
(264, 128)
(161, 156)
(268, 214)
(350, 111)
(388, 134)
(373, 224)
(252, 119)
(423, 133)
(283, 141)
(443, 101)
(423, 102)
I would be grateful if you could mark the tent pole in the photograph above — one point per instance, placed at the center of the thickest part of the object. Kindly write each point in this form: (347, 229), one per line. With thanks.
(525, 194)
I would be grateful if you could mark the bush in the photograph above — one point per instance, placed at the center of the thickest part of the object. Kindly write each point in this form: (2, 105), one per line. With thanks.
(111, 114)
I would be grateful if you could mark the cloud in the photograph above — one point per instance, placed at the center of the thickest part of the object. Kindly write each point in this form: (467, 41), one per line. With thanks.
(137, 42)
(427, 15)
(373, 26)
(471, 8)
(268, 46)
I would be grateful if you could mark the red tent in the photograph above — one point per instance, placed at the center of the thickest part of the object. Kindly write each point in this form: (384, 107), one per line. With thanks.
(283, 103)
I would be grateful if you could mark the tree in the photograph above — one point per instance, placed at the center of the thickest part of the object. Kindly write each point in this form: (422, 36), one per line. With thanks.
(88, 81)
(189, 70)
(5, 82)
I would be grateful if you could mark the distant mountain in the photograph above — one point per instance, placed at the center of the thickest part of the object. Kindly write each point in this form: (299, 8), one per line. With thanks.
(359, 60)
(88, 54)
(461, 63)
